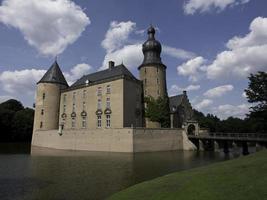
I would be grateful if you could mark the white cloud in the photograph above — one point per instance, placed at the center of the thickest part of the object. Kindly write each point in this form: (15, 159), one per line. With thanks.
(192, 68)
(175, 89)
(218, 91)
(117, 34)
(77, 72)
(130, 55)
(203, 104)
(120, 48)
(202, 6)
(21, 82)
(245, 55)
(227, 110)
(177, 53)
(48, 25)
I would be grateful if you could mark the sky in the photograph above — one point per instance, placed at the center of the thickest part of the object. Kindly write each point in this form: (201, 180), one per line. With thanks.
(209, 47)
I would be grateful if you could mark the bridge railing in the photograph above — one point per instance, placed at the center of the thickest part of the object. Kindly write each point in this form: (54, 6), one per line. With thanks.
(239, 135)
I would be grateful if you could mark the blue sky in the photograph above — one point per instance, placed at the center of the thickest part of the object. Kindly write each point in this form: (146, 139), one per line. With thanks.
(209, 47)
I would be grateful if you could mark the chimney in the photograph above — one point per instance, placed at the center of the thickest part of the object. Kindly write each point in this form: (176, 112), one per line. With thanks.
(184, 92)
(111, 64)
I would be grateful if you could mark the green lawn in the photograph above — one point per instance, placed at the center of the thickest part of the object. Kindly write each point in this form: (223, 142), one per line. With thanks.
(237, 179)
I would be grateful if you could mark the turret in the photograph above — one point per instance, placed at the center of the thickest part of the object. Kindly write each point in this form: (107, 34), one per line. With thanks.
(48, 98)
(152, 71)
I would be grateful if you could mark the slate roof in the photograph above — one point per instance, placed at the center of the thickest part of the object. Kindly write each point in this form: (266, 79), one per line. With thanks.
(175, 101)
(113, 72)
(54, 75)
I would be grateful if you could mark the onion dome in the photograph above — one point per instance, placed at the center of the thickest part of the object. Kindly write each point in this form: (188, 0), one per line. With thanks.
(151, 44)
(151, 49)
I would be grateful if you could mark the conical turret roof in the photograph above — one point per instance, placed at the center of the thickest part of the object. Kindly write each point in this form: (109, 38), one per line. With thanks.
(54, 75)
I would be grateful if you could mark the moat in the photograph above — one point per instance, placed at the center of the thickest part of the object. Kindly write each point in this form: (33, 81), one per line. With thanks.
(53, 174)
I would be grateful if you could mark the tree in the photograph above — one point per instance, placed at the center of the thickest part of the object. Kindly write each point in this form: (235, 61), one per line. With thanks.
(257, 94)
(22, 124)
(16, 122)
(157, 110)
(12, 105)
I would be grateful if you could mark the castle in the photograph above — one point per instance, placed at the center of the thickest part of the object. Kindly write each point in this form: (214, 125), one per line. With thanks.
(109, 104)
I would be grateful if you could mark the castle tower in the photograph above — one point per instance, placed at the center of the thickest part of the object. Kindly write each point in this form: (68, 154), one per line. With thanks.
(152, 70)
(48, 99)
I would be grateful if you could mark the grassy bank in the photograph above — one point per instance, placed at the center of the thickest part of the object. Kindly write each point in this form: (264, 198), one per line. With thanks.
(237, 179)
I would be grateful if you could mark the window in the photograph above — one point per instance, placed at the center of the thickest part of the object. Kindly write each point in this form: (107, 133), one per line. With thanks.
(83, 105)
(73, 123)
(42, 112)
(99, 104)
(145, 70)
(145, 81)
(64, 108)
(73, 107)
(157, 69)
(84, 94)
(157, 81)
(108, 121)
(108, 102)
(43, 96)
(41, 124)
(108, 89)
(64, 98)
(84, 122)
(99, 91)
(74, 96)
(98, 121)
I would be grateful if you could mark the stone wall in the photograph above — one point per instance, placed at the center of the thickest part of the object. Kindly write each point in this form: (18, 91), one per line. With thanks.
(110, 140)
(89, 96)
(114, 140)
(47, 106)
(132, 104)
(145, 140)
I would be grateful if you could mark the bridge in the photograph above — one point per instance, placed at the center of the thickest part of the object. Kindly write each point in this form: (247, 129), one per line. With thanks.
(215, 141)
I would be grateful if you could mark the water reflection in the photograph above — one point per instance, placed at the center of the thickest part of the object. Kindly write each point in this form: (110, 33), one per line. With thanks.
(55, 174)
